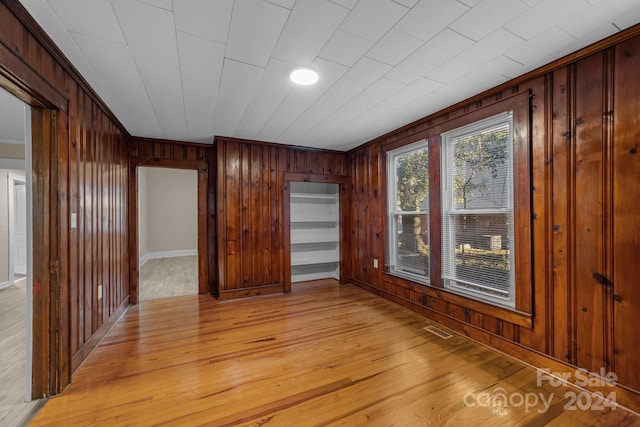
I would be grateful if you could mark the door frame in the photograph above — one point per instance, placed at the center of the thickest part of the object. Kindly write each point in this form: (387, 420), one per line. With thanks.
(341, 181)
(47, 284)
(201, 166)
(48, 361)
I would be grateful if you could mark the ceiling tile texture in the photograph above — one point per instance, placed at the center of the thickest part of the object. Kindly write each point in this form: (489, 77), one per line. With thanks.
(191, 70)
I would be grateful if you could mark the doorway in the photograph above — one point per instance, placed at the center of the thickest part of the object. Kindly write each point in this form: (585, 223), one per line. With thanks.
(16, 308)
(167, 232)
(17, 226)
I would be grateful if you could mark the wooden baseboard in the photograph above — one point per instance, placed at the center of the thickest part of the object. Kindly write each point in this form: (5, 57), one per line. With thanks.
(226, 295)
(624, 396)
(95, 339)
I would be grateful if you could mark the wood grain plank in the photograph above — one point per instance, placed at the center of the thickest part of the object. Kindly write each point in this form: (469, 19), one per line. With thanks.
(133, 266)
(521, 109)
(100, 225)
(144, 149)
(244, 212)
(282, 257)
(312, 162)
(275, 196)
(326, 354)
(232, 212)
(435, 212)
(535, 336)
(299, 161)
(589, 210)
(221, 217)
(212, 217)
(203, 236)
(264, 235)
(255, 221)
(74, 203)
(88, 220)
(41, 373)
(82, 159)
(626, 218)
(61, 215)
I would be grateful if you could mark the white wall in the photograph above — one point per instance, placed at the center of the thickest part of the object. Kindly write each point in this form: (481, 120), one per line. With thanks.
(4, 222)
(11, 151)
(168, 212)
(143, 242)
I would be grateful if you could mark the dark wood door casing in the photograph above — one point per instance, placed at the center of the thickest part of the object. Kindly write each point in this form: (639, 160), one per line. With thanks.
(79, 168)
(176, 155)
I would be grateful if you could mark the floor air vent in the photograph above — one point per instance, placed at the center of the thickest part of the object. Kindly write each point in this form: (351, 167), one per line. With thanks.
(439, 332)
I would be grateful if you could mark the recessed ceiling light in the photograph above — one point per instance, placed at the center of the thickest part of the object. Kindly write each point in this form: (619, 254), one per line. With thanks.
(303, 76)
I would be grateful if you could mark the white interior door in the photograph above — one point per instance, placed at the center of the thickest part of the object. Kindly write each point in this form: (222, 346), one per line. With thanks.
(20, 228)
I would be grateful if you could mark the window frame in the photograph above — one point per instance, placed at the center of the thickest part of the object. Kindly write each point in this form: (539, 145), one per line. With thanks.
(394, 214)
(450, 211)
(520, 103)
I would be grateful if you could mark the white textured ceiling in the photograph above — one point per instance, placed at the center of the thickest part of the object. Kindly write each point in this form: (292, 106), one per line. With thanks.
(192, 69)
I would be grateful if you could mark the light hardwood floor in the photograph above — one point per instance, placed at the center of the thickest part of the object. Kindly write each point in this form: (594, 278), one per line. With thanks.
(168, 277)
(324, 355)
(14, 411)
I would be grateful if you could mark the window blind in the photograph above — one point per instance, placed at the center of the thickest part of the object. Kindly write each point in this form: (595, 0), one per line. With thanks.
(408, 211)
(477, 221)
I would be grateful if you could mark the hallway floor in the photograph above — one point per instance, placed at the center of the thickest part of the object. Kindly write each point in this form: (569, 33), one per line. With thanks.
(13, 408)
(168, 277)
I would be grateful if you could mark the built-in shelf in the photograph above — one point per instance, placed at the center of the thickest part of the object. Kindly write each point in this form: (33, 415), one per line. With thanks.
(295, 196)
(314, 210)
(315, 253)
(315, 235)
(314, 232)
(317, 271)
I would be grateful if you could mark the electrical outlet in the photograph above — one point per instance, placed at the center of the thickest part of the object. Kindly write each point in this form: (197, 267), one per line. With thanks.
(375, 263)
(99, 291)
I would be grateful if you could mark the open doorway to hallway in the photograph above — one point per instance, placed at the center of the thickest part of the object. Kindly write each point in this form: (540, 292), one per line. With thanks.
(15, 261)
(167, 232)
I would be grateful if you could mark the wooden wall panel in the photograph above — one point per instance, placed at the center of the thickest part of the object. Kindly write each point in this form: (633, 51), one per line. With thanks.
(367, 170)
(562, 339)
(585, 236)
(250, 208)
(589, 210)
(585, 169)
(43, 376)
(534, 337)
(79, 158)
(625, 165)
(98, 188)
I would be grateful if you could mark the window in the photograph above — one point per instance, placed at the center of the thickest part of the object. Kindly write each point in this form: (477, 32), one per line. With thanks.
(459, 216)
(478, 210)
(408, 211)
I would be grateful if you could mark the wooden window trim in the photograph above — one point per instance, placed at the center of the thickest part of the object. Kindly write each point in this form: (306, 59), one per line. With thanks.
(508, 315)
(522, 313)
(390, 191)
